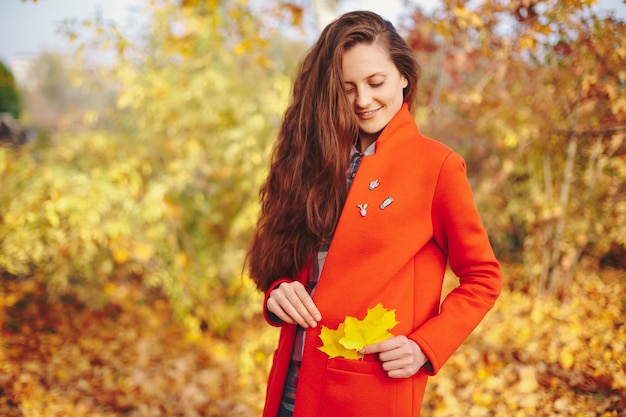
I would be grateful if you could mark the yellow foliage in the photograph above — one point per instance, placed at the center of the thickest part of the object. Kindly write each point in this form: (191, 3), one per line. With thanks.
(164, 186)
(353, 334)
(332, 345)
(121, 256)
(527, 42)
(161, 191)
(561, 368)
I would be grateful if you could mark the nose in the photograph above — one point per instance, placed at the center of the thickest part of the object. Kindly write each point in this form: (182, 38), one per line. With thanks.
(363, 98)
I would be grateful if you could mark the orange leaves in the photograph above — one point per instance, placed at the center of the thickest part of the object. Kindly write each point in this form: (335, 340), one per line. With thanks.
(141, 252)
(529, 80)
(530, 357)
(132, 357)
(467, 18)
(566, 359)
(296, 13)
(536, 356)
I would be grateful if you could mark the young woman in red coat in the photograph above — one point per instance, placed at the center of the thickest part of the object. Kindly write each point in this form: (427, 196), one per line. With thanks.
(360, 209)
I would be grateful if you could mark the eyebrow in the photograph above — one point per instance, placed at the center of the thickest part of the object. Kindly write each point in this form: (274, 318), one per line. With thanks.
(376, 74)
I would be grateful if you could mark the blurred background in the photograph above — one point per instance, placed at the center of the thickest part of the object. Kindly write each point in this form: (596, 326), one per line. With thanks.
(134, 136)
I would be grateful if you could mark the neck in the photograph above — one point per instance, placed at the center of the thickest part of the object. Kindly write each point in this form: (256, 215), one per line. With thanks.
(366, 139)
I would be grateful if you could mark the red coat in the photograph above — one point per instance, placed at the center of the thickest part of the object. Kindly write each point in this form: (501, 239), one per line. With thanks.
(396, 256)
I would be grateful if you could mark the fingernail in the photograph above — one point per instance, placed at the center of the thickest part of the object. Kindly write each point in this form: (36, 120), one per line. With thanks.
(313, 324)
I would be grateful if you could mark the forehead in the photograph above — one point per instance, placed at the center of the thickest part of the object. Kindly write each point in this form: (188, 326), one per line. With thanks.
(364, 60)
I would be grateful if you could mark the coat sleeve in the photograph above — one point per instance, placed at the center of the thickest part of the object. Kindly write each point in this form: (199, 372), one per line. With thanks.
(459, 232)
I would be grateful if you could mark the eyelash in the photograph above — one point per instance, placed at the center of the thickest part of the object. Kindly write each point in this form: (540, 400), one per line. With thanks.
(377, 85)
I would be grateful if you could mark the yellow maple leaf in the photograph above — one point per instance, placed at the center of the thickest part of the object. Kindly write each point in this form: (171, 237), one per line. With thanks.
(331, 345)
(374, 328)
(353, 334)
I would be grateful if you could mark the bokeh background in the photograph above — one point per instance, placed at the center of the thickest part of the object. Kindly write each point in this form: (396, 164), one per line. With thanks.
(134, 137)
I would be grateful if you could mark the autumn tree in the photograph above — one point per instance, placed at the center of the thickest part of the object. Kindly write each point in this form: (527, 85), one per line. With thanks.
(143, 199)
(163, 186)
(533, 95)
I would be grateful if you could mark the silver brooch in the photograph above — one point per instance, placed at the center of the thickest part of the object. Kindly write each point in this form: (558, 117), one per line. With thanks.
(386, 202)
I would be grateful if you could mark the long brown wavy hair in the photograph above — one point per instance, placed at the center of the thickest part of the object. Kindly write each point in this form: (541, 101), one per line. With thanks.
(304, 192)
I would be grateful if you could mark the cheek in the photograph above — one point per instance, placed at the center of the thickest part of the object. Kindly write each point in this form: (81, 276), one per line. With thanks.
(397, 97)
(394, 93)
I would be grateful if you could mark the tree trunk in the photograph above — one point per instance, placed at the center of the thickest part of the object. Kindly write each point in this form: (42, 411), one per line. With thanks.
(568, 179)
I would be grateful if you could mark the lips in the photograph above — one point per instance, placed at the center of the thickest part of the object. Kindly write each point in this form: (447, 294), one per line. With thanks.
(366, 115)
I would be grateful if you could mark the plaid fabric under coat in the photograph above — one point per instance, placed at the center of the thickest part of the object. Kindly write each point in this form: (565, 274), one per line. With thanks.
(289, 393)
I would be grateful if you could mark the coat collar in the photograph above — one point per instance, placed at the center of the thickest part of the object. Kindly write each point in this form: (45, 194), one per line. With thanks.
(385, 219)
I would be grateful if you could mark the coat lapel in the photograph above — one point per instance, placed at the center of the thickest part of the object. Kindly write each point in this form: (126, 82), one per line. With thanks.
(368, 249)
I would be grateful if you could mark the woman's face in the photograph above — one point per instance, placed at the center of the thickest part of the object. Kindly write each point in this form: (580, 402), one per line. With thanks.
(374, 86)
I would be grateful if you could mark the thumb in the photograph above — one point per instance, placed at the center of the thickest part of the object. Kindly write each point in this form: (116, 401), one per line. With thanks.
(367, 349)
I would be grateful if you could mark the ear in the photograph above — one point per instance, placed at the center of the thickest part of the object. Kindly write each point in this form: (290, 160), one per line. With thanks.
(405, 82)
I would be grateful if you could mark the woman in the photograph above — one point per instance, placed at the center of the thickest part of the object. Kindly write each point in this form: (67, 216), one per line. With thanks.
(333, 241)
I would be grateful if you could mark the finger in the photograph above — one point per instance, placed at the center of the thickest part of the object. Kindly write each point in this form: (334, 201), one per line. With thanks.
(400, 373)
(368, 349)
(396, 348)
(384, 346)
(400, 368)
(285, 303)
(403, 361)
(304, 305)
(275, 308)
(293, 300)
(311, 309)
(399, 363)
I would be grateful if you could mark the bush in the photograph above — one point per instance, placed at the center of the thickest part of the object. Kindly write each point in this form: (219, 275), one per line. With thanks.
(9, 99)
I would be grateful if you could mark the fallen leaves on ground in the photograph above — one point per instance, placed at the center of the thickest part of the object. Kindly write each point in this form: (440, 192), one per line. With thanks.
(131, 358)
(537, 356)
(531, 356)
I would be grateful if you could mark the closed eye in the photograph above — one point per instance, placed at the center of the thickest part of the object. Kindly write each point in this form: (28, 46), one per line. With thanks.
(376, 85)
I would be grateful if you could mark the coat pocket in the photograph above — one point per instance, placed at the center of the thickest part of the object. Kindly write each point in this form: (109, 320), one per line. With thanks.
(362, 388)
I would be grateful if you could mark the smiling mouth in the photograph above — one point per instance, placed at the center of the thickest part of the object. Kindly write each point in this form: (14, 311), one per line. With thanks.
(367, 114)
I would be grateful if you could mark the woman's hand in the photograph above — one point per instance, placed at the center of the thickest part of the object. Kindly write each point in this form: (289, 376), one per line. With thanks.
(401, 356)
(291, 303)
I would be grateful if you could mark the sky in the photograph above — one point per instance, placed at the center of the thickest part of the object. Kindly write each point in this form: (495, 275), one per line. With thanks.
(27, 28)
